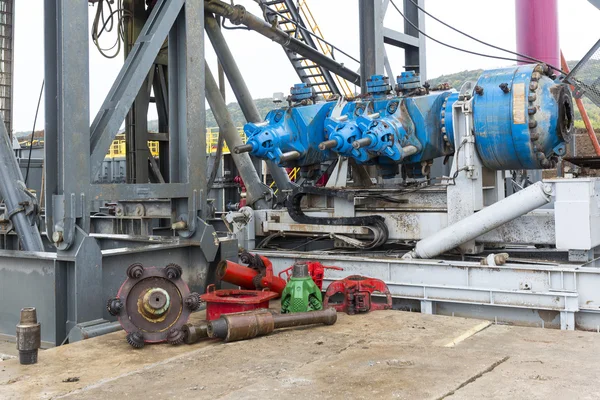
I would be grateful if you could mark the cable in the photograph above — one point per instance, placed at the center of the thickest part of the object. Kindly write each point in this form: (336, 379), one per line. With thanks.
(310, 33)
(461, 49)
(33, 132)
(108, 24)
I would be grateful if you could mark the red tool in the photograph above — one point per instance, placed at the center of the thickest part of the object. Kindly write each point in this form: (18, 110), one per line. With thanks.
(257, 275)
(316, 271)
(357, 291)
(228, 301)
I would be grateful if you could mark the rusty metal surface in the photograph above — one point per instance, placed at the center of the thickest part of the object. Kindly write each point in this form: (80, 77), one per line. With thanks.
(584, 162)
(154, 304)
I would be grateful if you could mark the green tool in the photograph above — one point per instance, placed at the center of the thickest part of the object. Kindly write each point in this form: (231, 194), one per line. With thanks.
(301, 294)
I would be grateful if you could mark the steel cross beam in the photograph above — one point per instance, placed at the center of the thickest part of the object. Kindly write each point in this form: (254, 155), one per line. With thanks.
(129, 81)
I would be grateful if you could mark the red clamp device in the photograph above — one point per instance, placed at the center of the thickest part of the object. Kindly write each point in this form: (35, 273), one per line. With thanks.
(316, 270)
(229, 301)
(357, 291)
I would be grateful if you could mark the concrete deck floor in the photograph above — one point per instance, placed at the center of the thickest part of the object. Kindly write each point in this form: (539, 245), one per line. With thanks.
(384, 354)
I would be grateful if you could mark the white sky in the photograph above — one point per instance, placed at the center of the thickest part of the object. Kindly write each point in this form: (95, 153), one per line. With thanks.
(266, 68)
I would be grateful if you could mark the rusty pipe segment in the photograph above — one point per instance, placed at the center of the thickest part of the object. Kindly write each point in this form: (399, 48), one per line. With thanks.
(193, 333)
(153, 304)
(29, 336)
(243, 326)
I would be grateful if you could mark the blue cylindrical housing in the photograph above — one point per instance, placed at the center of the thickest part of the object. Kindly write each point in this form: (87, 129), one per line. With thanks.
(522, 118)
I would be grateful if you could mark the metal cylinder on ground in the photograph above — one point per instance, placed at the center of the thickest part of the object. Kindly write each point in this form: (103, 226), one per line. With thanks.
(483, 221)
(29, 336)
(193, 333)
(246, 277)
(236, 327)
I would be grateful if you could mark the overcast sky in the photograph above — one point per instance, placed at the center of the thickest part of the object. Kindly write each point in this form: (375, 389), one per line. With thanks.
(266, 68)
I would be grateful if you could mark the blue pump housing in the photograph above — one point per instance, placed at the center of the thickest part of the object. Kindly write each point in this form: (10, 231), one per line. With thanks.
(291, 129)
(521, 119)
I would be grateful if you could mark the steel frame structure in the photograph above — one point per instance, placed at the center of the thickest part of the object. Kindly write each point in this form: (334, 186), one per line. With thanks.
(71, 280)
(84, 261)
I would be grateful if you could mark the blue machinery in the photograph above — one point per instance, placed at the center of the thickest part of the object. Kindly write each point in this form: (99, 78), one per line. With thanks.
(521, 120)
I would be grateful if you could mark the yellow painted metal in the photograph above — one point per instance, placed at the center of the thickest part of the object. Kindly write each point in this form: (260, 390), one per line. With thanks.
(327, 50)
(318, 82)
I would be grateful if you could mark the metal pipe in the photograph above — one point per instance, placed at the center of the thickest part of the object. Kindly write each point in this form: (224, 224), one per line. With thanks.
(15, 195)
(28, 336)
(328, 144)
(290, 156)
(483, 221)
(238, 15)
(408, 151)
(582, 111)
(245, 277)
(537, 30)
(242, 94)
(192, 333)
(245, 148)
(357, 144)
(235, 327)
(254, 187)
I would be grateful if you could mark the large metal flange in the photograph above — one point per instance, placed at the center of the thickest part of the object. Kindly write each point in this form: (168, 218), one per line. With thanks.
(153, 303)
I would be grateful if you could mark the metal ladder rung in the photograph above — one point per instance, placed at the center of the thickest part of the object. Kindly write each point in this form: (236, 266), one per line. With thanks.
(308, 66)
(272, 3)
(299, 59)
(312, 84)
(314, 76)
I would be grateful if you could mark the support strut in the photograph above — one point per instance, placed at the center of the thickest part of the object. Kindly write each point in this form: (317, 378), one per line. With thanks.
(18, 203)
(254, 187)
(238, 15)
(242, 94)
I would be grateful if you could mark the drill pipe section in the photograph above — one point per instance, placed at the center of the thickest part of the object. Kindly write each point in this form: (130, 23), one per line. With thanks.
(483, 221)
(254, 187)
(239, 16)
(234, 327)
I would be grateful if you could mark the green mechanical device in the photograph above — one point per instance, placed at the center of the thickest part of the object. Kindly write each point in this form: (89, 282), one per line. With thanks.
(301, 294)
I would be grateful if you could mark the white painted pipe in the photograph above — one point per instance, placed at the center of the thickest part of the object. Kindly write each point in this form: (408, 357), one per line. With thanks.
(481, 222)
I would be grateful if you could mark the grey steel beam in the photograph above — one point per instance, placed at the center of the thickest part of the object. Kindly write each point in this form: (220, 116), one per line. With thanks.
(400, 39)
(187, 123)
(415, 57)
(117, 191)
(130, 79)
(371, 40)
(67, 140)
(238, 15)
(242, 94)
(136, 123)
(254, 187)
(15, 195)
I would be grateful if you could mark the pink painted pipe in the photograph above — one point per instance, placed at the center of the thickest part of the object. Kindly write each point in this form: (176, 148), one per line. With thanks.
(537, 30)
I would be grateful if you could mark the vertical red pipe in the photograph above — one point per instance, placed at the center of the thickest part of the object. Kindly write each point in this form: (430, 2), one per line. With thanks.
(537, 30)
